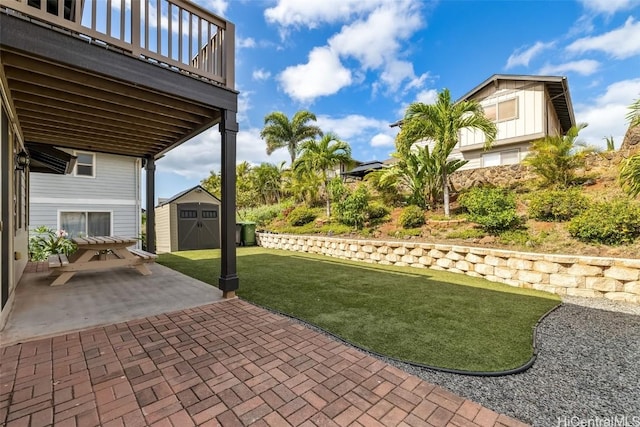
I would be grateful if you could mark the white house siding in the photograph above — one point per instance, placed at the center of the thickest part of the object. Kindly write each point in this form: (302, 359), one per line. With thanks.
(530, 119)
(163, 232)
(115, 188)
(474, 157)
(553, 123)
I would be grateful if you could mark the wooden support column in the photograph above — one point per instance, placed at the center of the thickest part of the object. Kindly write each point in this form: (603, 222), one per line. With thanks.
(228, 281)
(150, 167)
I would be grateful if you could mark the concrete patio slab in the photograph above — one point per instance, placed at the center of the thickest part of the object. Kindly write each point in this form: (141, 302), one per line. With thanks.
(98, 298)
(224, 364)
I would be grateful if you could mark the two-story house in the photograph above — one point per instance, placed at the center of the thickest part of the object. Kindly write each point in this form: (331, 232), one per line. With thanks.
(135, 80)
(524, 109)
(100, 197)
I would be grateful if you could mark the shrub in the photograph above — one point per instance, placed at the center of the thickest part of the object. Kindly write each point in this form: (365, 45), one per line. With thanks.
(44, 241)
(262, 215)
(494, 209)
(301, 216)
(469, 233)
(377, 210)
(412, 216)
(610, 223)
(353, 209)
(517, 237)
(554, 205)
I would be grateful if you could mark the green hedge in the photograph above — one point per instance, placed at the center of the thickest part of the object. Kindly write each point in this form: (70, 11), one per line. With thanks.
(412, 216)
(557, 205)
(610, 223)
(494, 209)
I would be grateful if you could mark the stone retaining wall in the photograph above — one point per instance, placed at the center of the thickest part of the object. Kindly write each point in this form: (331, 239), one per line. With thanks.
(613, 278)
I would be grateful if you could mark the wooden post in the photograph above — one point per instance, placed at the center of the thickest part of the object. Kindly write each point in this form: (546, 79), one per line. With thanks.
(150, 166)
(228, 281)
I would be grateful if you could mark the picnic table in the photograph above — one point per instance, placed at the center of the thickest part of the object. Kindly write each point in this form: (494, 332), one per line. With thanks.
(99, 253)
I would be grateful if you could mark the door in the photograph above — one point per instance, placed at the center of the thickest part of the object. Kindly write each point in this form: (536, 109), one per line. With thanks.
(198, 226)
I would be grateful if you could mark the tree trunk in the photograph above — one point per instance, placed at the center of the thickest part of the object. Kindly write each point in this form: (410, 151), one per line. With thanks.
(326, 193)
(445, 190)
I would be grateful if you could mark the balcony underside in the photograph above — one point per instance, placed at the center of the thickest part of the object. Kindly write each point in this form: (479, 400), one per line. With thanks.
(69, 93)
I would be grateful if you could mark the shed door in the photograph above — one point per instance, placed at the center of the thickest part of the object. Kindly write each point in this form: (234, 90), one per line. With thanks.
(198, 226)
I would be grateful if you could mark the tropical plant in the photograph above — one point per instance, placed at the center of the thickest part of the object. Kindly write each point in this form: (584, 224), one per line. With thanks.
(555, 158)
(245, 193)
(610, 223)
(441, 123)
(213, 184)
(266, 180)
(45, 241)
(630, 170)
(279, 132)
(412, 217)
(630, 175)
(320, 157)
(353, 209)
(611, 144)
(418, 170)
(494, 209)
(300, 216)
(557, 205)
(634, 114)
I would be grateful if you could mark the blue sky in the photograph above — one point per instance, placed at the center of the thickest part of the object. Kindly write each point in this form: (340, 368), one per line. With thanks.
(358, 63)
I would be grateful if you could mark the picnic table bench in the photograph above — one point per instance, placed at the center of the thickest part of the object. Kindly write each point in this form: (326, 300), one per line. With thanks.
(99, 253)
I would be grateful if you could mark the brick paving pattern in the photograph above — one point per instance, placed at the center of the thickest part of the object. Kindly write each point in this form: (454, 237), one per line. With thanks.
(228, 364)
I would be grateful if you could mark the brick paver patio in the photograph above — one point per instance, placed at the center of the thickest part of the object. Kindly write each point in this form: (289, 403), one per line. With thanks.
(228, 363)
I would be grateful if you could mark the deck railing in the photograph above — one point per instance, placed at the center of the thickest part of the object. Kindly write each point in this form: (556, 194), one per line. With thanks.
(174, 33)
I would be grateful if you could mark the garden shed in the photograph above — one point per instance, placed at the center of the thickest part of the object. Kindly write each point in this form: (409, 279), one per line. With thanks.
(187, 221)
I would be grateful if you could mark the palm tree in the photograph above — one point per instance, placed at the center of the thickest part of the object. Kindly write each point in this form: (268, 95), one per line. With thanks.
(279, 132)
(555, 158)
(630, 171)
(267, 181)
(322, 156)
(441, 123)
(418, 170)
(634, 114)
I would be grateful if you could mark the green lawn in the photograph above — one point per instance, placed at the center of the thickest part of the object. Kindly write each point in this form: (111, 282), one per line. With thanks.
(426, 316)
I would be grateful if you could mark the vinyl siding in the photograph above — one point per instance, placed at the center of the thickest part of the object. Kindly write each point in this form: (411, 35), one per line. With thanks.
(115, 178)
(114, 188)
(163, 237)
(530, 111)
(124, 218)
(475, 157)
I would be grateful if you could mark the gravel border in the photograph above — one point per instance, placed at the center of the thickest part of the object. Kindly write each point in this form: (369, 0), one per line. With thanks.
(587, 371)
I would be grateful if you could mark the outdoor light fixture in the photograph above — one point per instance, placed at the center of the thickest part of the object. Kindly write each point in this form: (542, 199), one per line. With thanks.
(22, 160)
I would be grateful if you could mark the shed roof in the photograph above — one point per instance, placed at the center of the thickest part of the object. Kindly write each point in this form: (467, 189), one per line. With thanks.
(182, 193)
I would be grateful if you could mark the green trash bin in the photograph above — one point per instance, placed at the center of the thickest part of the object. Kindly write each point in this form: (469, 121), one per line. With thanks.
(248, 234)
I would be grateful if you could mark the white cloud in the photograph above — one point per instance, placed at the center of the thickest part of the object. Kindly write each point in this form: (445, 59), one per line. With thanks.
(245, 43)
(196, 158)
(351, 126)
(322, 75)
(310, 14)
(260, 74)
(375, 39)
(428, 96)
(524, 55)
(620, 43)
(585, 67)
(608, 6)
(606, 115)
(382, 140)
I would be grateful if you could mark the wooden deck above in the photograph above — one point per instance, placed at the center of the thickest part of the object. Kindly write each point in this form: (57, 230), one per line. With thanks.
(107, 77)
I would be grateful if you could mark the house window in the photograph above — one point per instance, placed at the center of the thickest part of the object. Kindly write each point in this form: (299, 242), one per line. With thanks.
(85, 164)
(497, 158)
(502, 111)
(79, 224)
